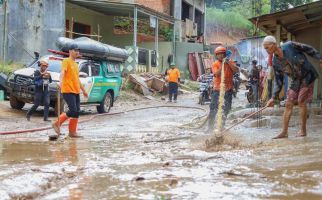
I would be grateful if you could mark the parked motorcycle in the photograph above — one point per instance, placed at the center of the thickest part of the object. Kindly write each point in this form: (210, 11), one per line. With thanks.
(205, 88)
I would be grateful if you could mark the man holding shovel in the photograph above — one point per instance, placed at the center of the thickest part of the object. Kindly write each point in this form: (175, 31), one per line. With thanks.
(70, 88)
(229, 69)
(290, 59)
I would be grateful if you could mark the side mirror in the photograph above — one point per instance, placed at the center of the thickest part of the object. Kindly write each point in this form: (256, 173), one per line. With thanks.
(83, 75)
(36, 55)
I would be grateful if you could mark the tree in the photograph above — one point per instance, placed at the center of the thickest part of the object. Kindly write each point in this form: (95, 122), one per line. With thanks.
(277, 5)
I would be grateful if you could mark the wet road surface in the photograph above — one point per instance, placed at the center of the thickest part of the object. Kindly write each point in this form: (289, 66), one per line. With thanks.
(114, 161)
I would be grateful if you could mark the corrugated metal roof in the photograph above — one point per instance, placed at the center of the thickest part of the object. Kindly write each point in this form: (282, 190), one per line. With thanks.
(291, 20)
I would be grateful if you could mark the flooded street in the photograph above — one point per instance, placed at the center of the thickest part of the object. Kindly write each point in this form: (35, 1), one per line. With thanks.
(128, 156)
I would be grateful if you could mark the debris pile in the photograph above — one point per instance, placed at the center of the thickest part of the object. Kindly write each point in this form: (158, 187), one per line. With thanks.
(148, 83)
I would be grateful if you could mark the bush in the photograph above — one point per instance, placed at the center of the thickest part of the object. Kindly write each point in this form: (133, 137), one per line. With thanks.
(9, 68)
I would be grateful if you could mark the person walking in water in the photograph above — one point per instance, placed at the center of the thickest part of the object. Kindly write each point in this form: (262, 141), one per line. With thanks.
(70, 88)
(290, 59)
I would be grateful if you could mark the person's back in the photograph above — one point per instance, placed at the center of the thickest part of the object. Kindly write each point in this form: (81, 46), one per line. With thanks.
(294, 62)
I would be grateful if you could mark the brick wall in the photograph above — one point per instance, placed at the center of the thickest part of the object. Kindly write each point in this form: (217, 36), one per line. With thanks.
(162, 6)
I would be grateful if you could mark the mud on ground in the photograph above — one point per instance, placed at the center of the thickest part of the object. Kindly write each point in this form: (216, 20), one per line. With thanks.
(148, 154)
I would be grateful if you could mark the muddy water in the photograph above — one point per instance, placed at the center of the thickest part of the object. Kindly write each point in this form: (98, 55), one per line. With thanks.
(114, 161)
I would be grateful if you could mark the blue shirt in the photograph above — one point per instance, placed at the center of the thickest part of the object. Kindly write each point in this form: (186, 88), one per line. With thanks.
(295, 65)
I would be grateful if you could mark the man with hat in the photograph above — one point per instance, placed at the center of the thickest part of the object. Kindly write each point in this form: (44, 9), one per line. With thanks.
(42, 79)
(290, 59)
(70, 86)
(229, 70)
(173, 77)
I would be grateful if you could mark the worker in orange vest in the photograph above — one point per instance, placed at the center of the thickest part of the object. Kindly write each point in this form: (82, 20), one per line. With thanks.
(230, 69)
(173, 77)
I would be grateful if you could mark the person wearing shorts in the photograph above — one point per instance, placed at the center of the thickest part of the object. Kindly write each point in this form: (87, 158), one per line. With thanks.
(289, 59)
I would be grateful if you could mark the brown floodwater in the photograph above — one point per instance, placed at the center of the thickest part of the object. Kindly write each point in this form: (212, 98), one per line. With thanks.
(114, 161)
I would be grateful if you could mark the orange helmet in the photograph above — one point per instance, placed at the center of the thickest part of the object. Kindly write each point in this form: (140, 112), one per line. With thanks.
(220, 49)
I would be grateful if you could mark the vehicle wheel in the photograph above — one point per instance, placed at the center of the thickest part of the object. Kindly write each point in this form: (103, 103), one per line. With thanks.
(106, 104)
(15, 103)
(62, 106)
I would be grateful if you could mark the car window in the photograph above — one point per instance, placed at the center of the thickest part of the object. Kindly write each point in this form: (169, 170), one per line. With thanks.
(117, 67)
(84, 68)
(95, 68)
(110, 67)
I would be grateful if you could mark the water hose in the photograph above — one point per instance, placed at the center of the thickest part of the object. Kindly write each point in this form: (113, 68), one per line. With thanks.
(97, 115)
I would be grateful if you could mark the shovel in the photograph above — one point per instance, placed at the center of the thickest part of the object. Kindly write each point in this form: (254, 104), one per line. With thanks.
(218, 139)
(241, 121)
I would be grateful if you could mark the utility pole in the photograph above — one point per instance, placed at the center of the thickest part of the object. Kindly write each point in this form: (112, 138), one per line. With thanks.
(4, 36)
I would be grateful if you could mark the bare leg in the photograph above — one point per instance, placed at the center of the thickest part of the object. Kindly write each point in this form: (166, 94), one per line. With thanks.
(303, 118)
(286, 119)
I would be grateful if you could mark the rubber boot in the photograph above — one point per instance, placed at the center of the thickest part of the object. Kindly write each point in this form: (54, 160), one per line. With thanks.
(73, 127)
(62, 118)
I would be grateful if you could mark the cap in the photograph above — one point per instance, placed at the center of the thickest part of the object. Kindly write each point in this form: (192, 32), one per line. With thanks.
(269, 39)
(73, 47)
(220, 49)
(172, 64)
(43, 63)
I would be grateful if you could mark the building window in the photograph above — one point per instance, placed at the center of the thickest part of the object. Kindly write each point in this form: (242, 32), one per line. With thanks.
(143, 54)
(80, 28)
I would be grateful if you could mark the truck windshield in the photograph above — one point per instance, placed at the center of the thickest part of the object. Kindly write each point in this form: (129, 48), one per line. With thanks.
(53, 65)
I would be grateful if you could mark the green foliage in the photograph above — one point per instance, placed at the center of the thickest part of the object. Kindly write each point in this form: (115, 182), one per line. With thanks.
(9, 67)
(227, 19)
(125, 25)
(264, 6)
(166, 32)
(278, 5)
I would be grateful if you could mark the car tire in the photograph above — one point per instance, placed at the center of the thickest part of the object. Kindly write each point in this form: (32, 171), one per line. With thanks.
(106, 104)
(62, 105)
(15, 103)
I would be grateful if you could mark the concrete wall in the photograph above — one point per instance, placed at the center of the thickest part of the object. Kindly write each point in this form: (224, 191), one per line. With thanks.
(92, 18)
(165, 49)
(313, 37)
(35, 24)
(181, 52)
